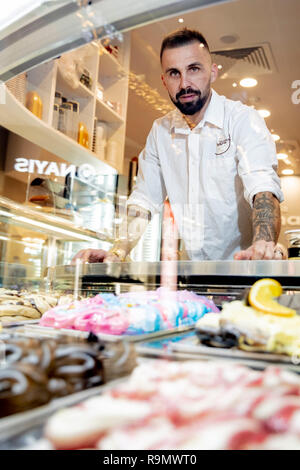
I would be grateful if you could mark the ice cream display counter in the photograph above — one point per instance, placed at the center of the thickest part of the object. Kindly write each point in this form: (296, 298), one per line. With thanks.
(176, 325)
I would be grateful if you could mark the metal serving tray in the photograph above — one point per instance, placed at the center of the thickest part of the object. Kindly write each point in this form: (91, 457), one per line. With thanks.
(188, 347)
(257, 360)
(25, 430)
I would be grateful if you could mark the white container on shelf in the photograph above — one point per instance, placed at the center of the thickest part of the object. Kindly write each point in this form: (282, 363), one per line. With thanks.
(68, 109)
(99, 91)
(113, 152)
(100, 139)
(75, 118)
(55, 116)
(61, 120)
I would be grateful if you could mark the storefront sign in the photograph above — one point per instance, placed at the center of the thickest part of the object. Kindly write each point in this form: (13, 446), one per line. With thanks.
(84, 172)
(24, 165)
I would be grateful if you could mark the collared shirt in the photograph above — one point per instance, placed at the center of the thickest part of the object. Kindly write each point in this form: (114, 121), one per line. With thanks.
(210, 175)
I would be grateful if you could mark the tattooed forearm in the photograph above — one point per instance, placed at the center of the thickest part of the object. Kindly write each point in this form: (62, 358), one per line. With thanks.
(266, 217)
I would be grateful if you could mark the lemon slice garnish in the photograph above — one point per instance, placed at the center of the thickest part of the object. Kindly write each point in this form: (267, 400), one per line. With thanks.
(261, 297)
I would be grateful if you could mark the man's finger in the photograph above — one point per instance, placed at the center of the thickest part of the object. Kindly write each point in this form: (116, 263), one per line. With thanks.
(90, 256)
(83, 255)
(269, 251)
(259, 249)
(243, 255)
(263, 250)
(111, 259)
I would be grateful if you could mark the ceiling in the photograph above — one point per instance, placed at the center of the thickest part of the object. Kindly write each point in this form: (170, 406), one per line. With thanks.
(272, 24)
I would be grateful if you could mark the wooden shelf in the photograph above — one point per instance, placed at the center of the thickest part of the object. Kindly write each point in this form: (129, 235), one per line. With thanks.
(80, 92)
(18, 119)
(106, 113)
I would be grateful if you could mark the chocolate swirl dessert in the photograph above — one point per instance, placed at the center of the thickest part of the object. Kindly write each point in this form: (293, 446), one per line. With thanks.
(36, 370)
(22, 387)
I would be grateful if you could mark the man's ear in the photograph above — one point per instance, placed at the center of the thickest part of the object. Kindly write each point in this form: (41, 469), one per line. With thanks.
(163, 80)
(214, 73)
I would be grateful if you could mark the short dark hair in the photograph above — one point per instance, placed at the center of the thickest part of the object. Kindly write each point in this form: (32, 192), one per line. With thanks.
(182, 37)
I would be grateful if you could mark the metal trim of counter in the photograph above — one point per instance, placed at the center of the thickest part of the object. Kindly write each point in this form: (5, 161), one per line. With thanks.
(218, 274)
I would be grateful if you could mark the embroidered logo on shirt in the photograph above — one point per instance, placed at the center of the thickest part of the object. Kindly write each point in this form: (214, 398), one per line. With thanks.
(223, 145)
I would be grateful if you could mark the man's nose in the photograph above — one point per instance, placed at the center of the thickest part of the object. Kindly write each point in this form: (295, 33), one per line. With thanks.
(184, 82)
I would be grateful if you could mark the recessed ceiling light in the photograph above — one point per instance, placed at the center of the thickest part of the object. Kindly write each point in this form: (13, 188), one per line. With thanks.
(180, 20)
(229, 38)
(264, 113)
(275, 137)
(220, 67)
(248, 82)
(282, 156)
(287, 172)
(234, 85)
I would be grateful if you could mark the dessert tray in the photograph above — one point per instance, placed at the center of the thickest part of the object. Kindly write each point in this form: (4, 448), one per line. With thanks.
(22, 429)
(187, 346)
(255, 360)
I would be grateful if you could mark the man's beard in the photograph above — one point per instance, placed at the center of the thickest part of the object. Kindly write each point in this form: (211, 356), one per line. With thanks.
(191, 107)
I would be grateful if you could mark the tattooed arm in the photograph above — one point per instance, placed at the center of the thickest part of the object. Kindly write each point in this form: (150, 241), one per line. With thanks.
(266, 224)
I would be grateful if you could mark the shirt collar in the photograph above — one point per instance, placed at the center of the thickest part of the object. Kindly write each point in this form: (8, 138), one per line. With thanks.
(214, 115)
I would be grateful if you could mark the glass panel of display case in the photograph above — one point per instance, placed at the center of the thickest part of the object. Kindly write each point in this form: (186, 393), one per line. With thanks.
(73, 126)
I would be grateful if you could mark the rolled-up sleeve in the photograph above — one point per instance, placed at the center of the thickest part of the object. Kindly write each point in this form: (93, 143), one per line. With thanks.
(149, 191)
(257, 159)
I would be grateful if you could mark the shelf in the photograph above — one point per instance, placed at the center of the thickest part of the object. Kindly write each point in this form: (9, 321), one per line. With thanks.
(16, 118)
(72, 93)
(106, 113)
(82, 91)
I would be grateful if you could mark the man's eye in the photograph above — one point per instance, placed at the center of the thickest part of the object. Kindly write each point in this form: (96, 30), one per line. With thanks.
(174, 73)
(194, 69)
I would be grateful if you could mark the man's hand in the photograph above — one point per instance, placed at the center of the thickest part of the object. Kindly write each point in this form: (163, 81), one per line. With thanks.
(131, 231)
(95, 256)
(262, 250)
(266, 228)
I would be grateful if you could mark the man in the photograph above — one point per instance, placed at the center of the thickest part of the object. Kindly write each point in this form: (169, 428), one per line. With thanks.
(215, 160)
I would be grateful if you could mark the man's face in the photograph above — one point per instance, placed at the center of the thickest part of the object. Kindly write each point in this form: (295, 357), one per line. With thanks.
(187, 75)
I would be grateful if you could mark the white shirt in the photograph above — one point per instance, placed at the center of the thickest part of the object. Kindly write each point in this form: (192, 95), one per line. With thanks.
(210, 174)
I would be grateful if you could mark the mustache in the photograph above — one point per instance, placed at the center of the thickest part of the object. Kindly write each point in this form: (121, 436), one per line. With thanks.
(187, 91)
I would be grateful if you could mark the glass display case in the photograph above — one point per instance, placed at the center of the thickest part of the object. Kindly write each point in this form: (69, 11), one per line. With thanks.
(80, 89)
